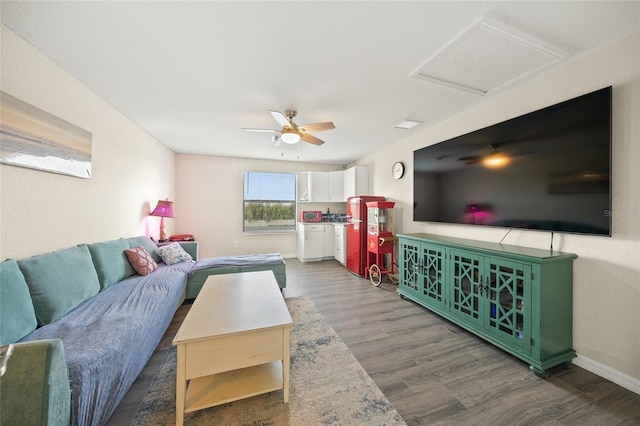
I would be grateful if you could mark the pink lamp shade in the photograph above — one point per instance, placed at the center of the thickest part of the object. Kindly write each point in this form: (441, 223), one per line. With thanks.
(163, 209)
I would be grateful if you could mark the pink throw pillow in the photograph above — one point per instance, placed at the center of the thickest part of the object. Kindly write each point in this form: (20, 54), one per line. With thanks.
(141, 260)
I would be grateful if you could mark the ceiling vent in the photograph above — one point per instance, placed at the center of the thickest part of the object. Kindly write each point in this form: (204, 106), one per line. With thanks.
(407, 124)
(488, 57)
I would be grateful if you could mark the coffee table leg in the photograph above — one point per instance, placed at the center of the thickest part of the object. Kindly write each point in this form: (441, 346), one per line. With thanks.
(286, 362)
(181, 385)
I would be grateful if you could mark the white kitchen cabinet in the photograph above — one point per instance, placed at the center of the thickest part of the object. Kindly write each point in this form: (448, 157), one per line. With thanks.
(356, 181)
(313, 186)
(336, 186)
(315, 241)
(327, 242)
(339, 243)
(310, 242)
(303, 186)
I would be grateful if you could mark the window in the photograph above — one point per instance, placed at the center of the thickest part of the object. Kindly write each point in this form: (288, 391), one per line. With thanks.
(269, 203)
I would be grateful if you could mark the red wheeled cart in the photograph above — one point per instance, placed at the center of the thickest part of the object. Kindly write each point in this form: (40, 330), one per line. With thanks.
(380, 241)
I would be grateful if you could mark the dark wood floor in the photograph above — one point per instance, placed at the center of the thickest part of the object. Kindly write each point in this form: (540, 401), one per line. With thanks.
(432, 371)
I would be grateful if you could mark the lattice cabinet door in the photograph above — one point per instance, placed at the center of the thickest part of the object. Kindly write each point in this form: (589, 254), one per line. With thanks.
(465, 286)
(508, 302)
(433, 290)
(517, 298)
(409, 266)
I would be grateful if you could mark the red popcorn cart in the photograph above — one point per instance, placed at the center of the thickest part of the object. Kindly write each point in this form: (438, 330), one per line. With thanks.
(380, 241)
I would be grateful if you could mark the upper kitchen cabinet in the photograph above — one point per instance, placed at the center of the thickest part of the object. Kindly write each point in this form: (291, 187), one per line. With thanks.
(356, 181)
(334, 186)
(313, 186)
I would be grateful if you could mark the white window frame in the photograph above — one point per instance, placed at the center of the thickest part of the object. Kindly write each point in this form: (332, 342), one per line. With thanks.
(264, 195)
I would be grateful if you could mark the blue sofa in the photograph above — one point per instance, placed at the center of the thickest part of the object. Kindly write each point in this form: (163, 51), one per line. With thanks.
(84, 325)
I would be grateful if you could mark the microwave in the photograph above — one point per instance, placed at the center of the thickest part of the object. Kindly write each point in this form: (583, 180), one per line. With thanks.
(310, 216)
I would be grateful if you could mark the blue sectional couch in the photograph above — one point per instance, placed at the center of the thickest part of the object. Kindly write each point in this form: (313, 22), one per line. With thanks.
(84, 325)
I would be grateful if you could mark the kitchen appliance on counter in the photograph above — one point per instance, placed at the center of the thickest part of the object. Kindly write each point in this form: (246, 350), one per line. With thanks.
(311, 216)
(334, 217)
(356, 229)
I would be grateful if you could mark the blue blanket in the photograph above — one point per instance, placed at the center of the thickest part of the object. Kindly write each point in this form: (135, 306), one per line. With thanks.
(124, 325)
(244, 260)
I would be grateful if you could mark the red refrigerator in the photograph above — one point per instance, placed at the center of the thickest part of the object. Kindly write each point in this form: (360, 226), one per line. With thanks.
(357, 232)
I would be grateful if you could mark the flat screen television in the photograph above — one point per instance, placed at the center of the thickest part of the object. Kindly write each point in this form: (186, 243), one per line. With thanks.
(546, 170)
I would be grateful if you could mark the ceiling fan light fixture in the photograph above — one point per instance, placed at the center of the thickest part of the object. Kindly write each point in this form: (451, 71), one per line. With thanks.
(290, 133)
(290, 137)
(496, 160)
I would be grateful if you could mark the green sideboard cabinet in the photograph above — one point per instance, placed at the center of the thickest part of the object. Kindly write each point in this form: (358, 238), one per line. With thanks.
(519, 299)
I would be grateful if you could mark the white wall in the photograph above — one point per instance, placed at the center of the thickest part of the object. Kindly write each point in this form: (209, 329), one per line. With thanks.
(209, 203)
(41, 211)
(606, 331)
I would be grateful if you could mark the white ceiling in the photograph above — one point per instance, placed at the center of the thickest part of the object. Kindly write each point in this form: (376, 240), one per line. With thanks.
(193, 73)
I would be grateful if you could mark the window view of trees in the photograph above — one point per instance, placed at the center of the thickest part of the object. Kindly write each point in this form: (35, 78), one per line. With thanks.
(268, 211)
(269, 202)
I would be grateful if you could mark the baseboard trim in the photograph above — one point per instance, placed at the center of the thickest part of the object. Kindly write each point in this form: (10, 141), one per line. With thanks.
(608, 373)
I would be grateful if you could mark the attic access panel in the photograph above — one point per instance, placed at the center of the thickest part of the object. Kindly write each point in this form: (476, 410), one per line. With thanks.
(487, 57)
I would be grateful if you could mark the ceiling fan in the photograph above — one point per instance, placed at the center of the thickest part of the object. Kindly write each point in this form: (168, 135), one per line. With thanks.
(495, 159)
(292, 133)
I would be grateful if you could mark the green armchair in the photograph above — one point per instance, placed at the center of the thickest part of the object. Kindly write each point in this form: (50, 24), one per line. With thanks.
(35, 387)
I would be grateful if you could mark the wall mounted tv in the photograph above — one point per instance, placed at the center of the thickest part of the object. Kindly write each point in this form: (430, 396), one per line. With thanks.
(546, 170)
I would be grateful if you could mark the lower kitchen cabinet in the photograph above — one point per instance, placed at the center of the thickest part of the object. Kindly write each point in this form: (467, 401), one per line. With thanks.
(315, 241)
(339, 244)
(310, 239)
(327, 242)
(517, 298)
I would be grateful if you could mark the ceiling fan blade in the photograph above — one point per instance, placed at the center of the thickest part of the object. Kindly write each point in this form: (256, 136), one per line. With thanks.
(282, 120)
(247, 129)
(470, 158)
(317, 127)
(311, 139)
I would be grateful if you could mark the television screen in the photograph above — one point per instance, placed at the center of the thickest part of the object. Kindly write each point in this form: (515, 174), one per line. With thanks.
(546, 170)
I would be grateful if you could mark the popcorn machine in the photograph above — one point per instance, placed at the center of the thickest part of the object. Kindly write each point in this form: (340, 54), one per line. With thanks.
(380, 240)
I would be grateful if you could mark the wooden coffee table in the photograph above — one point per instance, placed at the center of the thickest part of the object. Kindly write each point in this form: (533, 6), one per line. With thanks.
(233, 343)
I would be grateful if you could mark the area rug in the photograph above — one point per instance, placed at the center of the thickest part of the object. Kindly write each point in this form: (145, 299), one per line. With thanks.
(328, 386)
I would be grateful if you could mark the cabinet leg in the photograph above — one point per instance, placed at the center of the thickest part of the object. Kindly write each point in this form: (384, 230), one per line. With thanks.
(535, 370)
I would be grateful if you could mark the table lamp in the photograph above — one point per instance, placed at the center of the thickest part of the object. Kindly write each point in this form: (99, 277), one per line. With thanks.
(163, 209)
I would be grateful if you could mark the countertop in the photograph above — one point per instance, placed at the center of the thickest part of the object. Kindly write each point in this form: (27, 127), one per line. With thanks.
(323, 223)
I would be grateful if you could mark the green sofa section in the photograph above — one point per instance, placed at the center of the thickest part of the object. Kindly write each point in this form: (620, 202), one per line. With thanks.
(35, 388)
(234, 264)
(59, 281)
(17, 314)
(69, 311)
(110, 262)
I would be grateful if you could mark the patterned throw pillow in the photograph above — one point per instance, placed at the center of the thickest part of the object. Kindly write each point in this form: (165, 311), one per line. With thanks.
(141, 260)
(173, 253)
